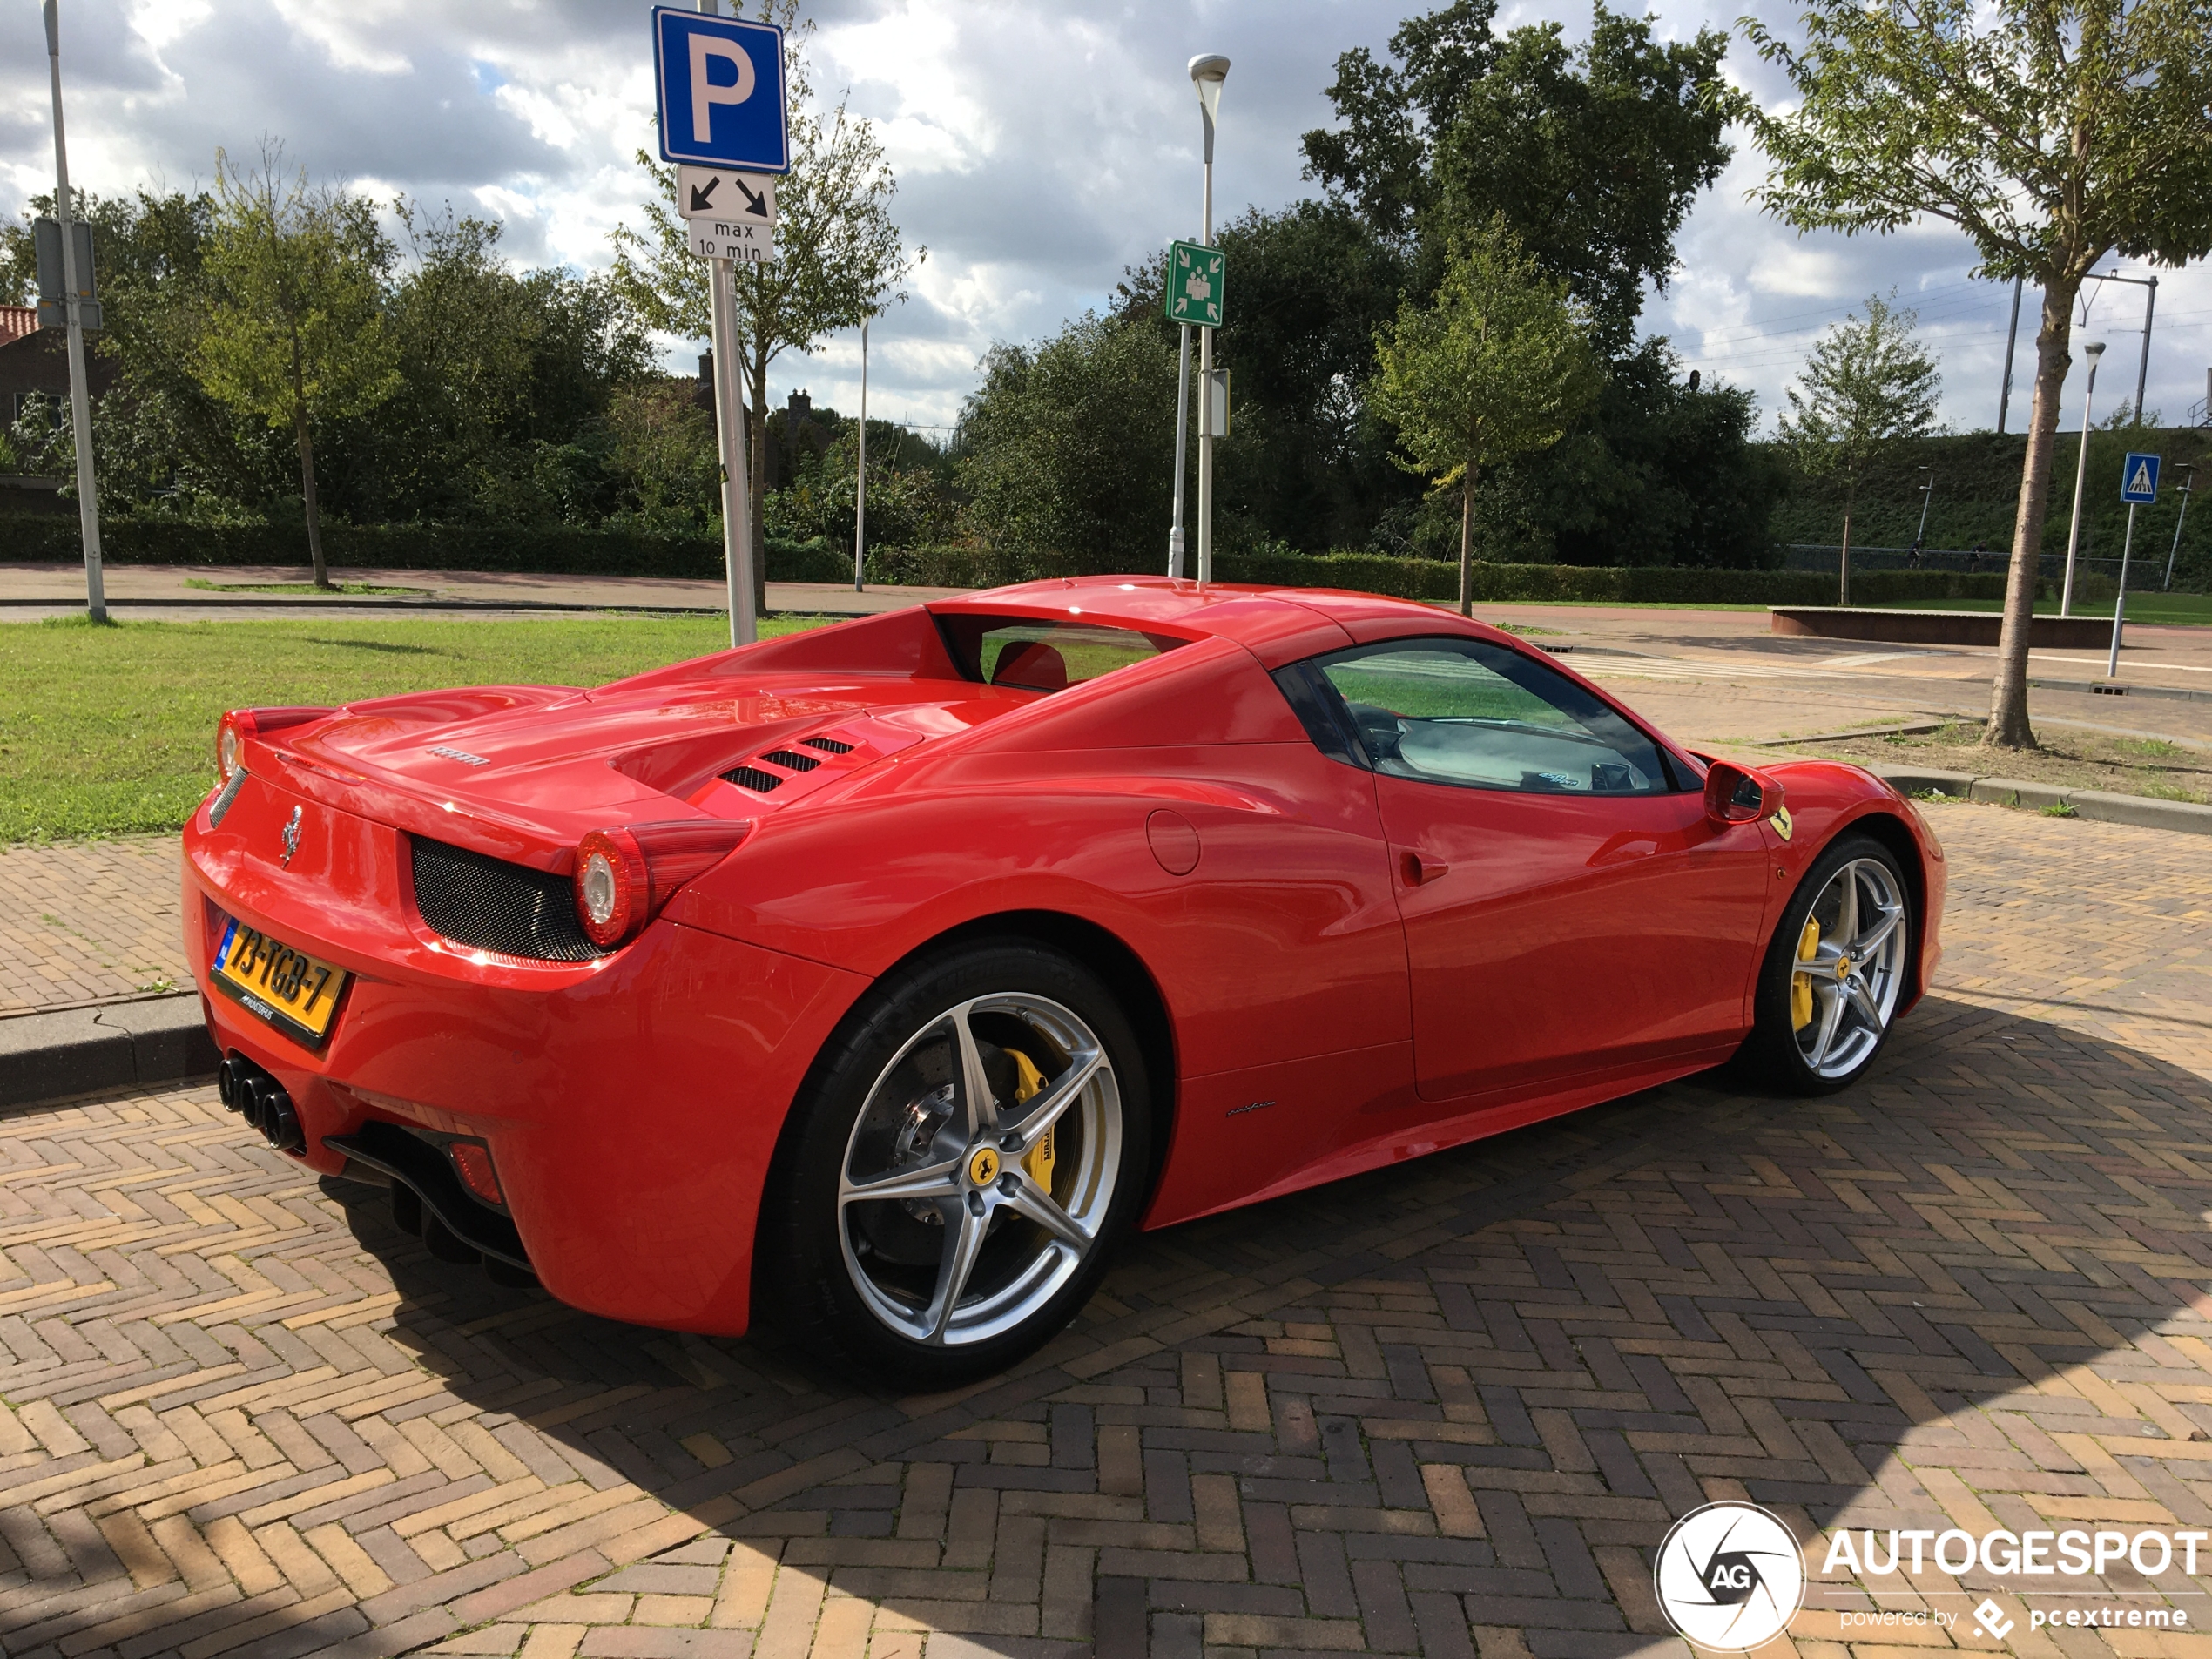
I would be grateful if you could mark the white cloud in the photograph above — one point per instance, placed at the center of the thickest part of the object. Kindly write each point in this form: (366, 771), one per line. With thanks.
(1041, 146)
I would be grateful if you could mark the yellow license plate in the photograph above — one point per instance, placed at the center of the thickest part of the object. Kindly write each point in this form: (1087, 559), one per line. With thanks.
(289, 988)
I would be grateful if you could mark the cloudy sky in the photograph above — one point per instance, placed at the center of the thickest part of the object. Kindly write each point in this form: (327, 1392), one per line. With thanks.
(1041, 147)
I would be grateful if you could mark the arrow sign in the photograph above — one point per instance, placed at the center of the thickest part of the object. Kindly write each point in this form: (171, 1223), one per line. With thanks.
(2139, 479)
(717, 192)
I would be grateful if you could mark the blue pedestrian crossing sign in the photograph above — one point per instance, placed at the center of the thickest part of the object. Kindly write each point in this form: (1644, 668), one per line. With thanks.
(2139, 479)
(721, 86)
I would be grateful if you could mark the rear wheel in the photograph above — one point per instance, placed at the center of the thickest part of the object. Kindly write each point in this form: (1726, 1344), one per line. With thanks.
(970, 1152)
(1835, 972)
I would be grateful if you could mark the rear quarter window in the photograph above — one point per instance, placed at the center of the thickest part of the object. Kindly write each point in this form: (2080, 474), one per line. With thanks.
(1045, 655)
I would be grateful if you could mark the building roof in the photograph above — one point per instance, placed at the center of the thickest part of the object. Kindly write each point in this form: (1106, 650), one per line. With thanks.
(16, 322)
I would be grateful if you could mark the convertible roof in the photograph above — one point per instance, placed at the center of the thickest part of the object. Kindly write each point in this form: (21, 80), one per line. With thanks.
(1278, 624)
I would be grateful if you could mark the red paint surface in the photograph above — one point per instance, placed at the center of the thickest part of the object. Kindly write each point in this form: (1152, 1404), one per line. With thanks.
(1325, 1013)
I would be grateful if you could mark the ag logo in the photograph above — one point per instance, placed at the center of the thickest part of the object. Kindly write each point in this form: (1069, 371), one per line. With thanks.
(1729, 1577)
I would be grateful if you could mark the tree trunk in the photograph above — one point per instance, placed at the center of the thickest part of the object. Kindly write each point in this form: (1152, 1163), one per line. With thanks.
(1466, 543)
(2008, 727)
(307, 491)
(1843, 556)
(307, 465)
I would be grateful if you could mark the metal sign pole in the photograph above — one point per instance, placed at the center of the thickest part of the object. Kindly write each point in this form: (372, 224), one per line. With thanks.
(860, 477)
(1182, 436)
(2120, 600)
(80, 391)
(729, 423)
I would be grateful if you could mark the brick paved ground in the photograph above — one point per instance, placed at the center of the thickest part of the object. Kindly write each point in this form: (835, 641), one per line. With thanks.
(89, 921)
(1446, 1408)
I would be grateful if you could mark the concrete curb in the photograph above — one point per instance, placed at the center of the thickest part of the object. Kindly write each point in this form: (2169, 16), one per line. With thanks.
(2097, 805)
(153, 1044)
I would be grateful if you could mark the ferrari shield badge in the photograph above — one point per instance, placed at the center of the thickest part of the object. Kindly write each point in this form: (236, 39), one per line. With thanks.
(1781, 821)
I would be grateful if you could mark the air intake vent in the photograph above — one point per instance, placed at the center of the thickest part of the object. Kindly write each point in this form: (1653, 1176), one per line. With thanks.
(753, 778)
(828, 745)
(489, 904)
(789, 761)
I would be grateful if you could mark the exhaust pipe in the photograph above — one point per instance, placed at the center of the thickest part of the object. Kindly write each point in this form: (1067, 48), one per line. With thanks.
(260, 1099)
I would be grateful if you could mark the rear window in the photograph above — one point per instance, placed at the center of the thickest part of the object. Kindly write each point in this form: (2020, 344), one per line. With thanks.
(1044, 655)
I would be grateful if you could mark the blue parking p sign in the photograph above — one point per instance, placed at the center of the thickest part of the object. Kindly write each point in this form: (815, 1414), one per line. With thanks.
(721, 85)
(2139, 479)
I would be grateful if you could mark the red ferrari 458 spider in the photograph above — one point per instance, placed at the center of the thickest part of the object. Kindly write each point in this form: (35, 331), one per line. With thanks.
(884, 976)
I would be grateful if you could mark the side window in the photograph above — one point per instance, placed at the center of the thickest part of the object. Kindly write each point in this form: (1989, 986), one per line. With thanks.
(1482, 716)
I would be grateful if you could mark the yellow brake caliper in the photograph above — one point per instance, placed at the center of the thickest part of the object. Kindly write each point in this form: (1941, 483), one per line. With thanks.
(1800, 980)
(1028, 1081)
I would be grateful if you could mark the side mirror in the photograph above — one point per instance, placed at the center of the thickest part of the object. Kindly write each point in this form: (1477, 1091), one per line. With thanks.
(1737, 795)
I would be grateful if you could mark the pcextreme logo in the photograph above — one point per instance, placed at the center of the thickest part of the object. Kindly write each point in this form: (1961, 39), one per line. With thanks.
(1729, 1577)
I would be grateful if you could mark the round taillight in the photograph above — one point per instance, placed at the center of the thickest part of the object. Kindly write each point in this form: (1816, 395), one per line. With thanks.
(610, 886)
(229, 747)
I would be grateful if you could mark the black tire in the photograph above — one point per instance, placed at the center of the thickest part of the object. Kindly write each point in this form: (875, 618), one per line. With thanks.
(812, 1259)
(1777, 1055)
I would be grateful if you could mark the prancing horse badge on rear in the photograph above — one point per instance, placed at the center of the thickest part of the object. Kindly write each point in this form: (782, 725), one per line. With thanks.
(291, 834)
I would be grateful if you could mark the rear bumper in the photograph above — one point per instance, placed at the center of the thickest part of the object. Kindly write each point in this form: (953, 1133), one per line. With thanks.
(632, 1104)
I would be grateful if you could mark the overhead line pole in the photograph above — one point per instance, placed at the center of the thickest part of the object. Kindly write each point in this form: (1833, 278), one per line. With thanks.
(2012, 338)
(860, 477)
(80, 391)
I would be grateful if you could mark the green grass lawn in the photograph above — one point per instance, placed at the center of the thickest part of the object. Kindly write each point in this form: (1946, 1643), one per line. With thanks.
(108, 730)
(2153, 606)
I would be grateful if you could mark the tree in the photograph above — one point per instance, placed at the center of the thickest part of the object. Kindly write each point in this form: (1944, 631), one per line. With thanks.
(839, 257)
(1066, 449)
(2051, 134)
(1496, 367)
(1592, 153)
(294, 331)
(1868, 387)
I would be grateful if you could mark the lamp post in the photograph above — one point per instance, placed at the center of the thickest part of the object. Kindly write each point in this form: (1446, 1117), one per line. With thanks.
(1207, 71)
(2188, 477)
(74, 284)
(2096, 350)
(1927, 495)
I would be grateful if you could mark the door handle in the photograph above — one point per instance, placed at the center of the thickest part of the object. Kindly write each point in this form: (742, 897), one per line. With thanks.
(1419, 870)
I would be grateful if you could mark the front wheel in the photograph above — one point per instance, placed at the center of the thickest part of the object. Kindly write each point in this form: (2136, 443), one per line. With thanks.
(973, 1146)
(1835, 973)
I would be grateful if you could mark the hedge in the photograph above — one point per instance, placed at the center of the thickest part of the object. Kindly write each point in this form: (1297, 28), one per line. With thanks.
(956, 567)
(615, 552)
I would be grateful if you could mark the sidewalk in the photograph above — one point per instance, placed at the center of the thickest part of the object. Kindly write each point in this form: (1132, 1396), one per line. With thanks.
(164, 589)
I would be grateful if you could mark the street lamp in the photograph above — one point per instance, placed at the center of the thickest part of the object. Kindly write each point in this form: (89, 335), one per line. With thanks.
(2096, 350)
(1208, 71)
(1927, 495)
(2188, 478)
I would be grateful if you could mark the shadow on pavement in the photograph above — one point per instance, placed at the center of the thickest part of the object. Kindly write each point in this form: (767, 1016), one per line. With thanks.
(1490, 1376)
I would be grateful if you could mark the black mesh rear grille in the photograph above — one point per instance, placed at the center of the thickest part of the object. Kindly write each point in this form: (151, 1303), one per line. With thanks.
(789, 761)
(828, 745)
(492, 904)
(753, 778)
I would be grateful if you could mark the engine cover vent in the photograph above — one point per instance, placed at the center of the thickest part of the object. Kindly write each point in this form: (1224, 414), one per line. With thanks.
(828, 745)
(789, 761)
(752, 778)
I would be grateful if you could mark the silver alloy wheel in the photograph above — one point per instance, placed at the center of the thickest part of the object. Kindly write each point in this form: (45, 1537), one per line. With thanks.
(1848, 967)
(964, 1204)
